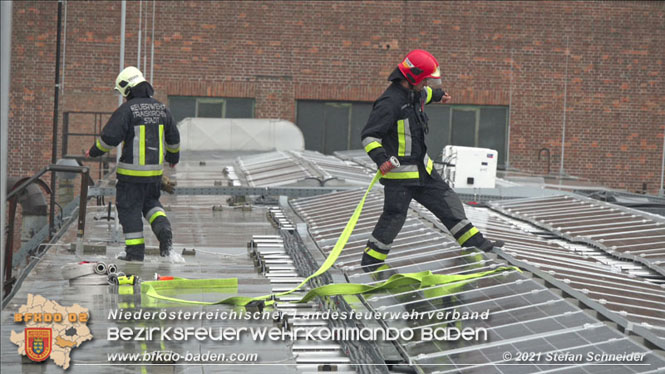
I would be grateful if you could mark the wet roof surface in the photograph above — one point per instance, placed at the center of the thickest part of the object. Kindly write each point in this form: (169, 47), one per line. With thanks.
(220, 239)
(525, 314)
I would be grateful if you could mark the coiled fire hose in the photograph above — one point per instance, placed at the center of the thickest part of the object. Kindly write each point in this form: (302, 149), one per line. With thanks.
(89, 273)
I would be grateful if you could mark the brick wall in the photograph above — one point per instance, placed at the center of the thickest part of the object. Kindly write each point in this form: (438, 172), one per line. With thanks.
(491, 53)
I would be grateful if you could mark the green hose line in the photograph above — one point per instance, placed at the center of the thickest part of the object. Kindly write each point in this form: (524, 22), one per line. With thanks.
(183, 285)
(432, 284)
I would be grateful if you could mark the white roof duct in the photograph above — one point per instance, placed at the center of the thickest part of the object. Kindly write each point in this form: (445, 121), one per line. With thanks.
(239, 134)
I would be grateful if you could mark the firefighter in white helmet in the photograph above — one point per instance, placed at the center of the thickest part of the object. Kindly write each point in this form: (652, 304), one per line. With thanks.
(150, 138)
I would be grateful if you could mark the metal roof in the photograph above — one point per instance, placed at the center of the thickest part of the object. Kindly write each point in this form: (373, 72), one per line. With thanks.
(570, 296)
(525, 314)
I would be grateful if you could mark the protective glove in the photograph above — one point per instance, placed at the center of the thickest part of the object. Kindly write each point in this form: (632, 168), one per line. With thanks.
(167, 185)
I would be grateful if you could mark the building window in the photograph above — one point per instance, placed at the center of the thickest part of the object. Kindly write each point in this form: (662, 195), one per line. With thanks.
(335, 126)
(472, 126)
(332, 126)
(211, 107)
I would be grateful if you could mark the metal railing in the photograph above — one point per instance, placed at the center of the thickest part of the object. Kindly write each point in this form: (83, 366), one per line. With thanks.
(12, 199)
(98, 122)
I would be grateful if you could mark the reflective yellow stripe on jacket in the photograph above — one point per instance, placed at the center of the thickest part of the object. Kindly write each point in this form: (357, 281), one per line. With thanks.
(429, 93)
(161, 144)
(403, 172)
(410, 171)
(429, 164)
(404, 143)
(103, 146)
(401, 139)
(370, 143)
(139, 170)
(141, 145)
(140, 173)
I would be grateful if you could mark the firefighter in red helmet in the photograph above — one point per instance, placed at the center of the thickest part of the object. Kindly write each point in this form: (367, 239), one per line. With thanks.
(394, 137)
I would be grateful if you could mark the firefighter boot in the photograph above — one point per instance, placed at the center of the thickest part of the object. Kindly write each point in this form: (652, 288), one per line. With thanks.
(124, 256)
(383, 273)
(488, 245)
(480, 242)
(132, 252)
(166, 250)
(165, 238)
(373, 258)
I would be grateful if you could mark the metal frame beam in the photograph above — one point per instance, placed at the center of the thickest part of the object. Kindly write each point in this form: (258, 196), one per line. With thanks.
(237, 191)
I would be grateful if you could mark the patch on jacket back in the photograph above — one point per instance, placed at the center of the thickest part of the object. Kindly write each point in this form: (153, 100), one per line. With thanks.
(150, 113)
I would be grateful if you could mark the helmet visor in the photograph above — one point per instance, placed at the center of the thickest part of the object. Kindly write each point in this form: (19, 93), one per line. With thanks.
(436, 73)
(433, 82)
(121, 87)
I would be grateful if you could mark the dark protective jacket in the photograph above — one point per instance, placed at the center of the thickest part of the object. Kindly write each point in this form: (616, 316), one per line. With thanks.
(148, 133)
(396, 127)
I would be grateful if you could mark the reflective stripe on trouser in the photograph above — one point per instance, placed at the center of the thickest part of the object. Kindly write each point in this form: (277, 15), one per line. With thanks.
(159, 223)
(459, 227)
(135, 201)
(129, 200)
(463, 231)
(376, 254)
(135, 244)
(134, 238)
(467, 235)
(376, 249)
(438, 198)
(376, 243)
(155, 212)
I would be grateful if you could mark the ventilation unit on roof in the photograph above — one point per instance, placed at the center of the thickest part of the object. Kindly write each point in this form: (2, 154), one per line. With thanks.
(467, 167)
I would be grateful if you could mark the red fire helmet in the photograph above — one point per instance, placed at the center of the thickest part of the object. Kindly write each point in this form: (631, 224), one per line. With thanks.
(418, 65)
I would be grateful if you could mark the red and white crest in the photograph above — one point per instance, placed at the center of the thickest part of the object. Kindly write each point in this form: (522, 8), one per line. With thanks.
(38, 343)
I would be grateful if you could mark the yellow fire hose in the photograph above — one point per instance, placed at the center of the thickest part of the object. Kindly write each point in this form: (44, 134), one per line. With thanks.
(424, 280)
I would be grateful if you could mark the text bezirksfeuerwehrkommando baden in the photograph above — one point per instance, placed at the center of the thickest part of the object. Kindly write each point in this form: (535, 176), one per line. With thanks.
(438, 329)
(261, 333)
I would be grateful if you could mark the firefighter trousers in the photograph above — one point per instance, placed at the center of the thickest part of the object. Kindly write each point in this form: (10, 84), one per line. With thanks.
(134, 201)
(438, 198)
